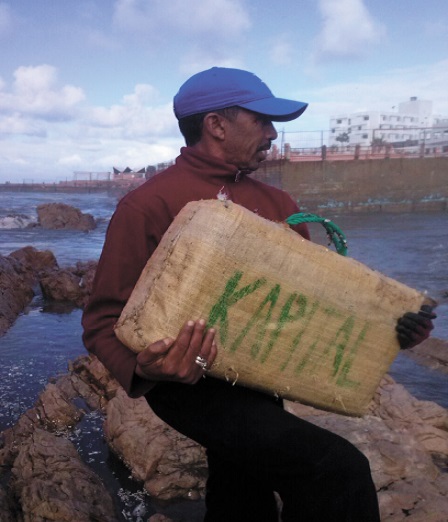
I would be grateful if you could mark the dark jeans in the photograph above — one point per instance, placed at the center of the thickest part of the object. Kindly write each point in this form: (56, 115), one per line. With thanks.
(255, 447)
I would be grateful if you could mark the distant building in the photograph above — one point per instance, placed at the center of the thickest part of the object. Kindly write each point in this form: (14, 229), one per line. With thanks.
(436, 138)
(128, 174)
(412, 125)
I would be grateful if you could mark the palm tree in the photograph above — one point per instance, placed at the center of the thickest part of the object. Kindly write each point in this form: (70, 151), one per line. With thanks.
(344, 137)
(378, 144)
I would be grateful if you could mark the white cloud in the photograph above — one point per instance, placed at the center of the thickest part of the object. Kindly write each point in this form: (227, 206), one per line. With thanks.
(282, 52)
(143, 94)
(132, 122)
(378, 92)
(19, 161)
(60, 155)
(135, 156)
(138, 116)
(36, 130)
(70, 161)
(16, 124)
(383, 91)
(348, 29)
(36, 93)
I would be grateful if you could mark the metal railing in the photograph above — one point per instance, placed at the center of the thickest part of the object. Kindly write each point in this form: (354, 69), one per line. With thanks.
(315, 145)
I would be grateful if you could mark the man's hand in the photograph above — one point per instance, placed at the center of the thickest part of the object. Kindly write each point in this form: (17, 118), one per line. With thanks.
(413, 329)
(175, 359)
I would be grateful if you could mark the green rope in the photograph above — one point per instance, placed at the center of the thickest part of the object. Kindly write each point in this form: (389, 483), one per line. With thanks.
(334, 233)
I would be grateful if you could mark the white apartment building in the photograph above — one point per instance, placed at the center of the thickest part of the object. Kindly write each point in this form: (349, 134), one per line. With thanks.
(437, 137)
(404, 127)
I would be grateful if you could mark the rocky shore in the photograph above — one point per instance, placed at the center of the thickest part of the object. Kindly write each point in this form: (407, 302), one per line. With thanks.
(57, 216)
(28, 272)
(42, 476)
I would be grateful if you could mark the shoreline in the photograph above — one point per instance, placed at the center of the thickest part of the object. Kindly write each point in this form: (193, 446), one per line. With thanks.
(82, 188)
(378, 206)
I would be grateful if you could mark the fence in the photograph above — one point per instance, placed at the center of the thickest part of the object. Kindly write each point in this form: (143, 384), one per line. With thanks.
(320, 145)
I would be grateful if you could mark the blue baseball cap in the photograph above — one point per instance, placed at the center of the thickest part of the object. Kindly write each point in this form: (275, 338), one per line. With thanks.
(221, 87)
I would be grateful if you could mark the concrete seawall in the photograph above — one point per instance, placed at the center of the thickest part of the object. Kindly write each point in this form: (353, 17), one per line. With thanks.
(365, 185)
(379, 185)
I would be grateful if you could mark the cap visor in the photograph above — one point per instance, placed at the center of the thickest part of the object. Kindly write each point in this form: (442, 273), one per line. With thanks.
(278, 109)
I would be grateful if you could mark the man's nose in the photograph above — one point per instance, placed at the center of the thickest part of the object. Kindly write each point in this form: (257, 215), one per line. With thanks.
(271, 132)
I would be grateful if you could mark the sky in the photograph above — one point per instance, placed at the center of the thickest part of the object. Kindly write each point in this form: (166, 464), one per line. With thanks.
(87, 85)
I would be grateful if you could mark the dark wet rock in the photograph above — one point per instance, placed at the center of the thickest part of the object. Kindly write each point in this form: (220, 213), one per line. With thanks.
(15, 293)
(72, 284)
(27, 272)
(53, 412)
(8, 509)
(91, 381)
(86, 271)
(169, 464)
(62, 216)
(62, 285)
(48, 480)
(19, 276)
(432, 353)
(30, 262)
(52, 483)
(405, 440)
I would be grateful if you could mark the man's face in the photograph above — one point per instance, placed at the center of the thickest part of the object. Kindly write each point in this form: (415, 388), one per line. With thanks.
(248, 138)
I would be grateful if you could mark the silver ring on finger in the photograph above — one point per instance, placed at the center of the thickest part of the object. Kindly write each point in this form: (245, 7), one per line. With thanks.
(202, 362)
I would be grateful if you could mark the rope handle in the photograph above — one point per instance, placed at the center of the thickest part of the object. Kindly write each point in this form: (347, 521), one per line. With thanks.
(334, 233)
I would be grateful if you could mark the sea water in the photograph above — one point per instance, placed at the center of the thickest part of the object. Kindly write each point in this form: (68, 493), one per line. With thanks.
(411, 248)
(18, 215)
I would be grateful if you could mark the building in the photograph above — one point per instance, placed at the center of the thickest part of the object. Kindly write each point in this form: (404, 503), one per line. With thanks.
(407, 127)
(436, 138)
(127, 173)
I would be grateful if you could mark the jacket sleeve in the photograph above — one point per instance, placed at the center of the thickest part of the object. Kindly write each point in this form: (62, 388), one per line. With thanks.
(130, 241)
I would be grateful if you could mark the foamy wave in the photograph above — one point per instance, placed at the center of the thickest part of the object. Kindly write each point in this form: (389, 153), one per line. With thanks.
(18, 221)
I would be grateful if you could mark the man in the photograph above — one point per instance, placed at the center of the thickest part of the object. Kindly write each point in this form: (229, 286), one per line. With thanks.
(253, 446)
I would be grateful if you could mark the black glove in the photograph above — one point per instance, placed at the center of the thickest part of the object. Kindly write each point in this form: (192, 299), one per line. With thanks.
(413, 329)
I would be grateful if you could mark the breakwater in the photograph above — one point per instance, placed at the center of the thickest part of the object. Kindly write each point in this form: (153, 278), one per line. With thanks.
(334, 186)
(110, 187)
(356, 186)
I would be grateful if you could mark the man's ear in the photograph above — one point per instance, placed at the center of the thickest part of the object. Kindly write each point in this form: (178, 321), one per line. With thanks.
(214, 125)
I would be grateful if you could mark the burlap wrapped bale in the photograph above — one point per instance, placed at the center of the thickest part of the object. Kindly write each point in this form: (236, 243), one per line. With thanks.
(293, 318)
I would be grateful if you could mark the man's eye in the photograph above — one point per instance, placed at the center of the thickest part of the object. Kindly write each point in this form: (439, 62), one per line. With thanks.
(263, 120)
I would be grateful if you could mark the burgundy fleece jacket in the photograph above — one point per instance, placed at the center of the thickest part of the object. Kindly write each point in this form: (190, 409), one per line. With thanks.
(137, 226)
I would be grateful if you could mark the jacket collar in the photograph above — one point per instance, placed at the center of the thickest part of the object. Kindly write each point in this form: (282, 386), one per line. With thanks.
(206, 165)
